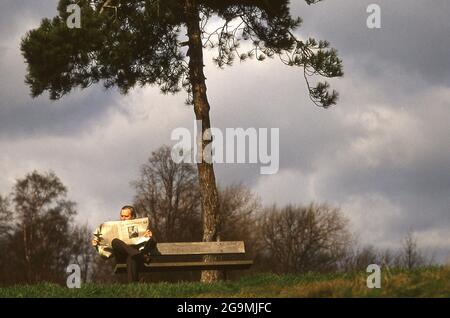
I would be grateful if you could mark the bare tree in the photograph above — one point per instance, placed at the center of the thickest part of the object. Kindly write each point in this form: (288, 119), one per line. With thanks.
(238, 217)
(5, 229)
(82, 251)
(358, 258)
(5, 217)
(168, 193)
(411, 256)
(238, 214)
(301, 239)
(41, 240)
(93, 267)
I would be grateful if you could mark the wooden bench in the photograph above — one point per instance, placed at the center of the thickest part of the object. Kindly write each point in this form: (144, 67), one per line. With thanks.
(160, 262)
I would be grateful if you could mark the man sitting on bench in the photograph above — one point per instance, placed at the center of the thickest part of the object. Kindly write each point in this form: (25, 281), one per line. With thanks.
(130, 254)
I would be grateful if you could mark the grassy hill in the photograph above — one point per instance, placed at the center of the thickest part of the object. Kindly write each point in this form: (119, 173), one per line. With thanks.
(428, 282)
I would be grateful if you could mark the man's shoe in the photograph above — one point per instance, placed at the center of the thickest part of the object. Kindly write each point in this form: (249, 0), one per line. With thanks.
(146, 258)
(150, 247)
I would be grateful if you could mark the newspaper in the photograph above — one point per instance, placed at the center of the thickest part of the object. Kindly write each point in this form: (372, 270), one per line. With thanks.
(129, 231)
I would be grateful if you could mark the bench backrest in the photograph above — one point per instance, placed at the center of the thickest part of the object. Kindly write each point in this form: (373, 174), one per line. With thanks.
(201, 248)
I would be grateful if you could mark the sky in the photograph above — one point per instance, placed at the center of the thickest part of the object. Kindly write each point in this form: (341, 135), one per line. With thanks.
(382, 154)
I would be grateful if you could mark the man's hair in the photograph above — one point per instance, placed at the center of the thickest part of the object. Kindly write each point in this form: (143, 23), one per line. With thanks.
(131, 208)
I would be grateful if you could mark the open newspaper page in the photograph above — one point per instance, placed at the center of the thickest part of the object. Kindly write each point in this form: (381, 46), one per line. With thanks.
(130, 232)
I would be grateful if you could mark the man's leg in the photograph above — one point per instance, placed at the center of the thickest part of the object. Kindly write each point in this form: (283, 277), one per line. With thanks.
(131, 255)
(133, 269)
(121, 247)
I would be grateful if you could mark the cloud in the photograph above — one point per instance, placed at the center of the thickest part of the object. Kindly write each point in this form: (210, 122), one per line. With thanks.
(374, 219)
(97, 165)
(382, 160)
(413, 35)
(20, 115)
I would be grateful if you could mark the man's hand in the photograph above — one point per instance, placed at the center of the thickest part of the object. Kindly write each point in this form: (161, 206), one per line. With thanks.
(148, 233)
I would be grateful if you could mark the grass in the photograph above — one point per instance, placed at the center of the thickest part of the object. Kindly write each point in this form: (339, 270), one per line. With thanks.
(428, 282)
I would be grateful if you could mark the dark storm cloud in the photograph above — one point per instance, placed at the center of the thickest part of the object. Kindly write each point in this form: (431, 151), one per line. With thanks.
(71, 115)
(20, 115)
(414, 35)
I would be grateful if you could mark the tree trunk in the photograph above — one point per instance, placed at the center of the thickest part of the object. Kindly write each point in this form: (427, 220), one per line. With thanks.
(26, 249)
(208, 189)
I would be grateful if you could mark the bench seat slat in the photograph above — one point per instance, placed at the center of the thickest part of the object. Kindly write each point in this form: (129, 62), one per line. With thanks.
(186, 266)
(201, 248)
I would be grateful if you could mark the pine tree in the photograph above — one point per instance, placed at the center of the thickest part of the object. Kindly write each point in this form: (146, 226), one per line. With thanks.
(125, 43)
